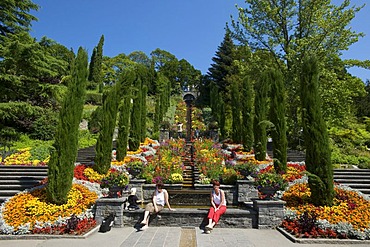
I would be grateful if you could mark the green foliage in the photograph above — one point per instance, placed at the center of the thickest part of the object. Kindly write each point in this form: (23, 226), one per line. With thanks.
(64, 150)
(95, 70)
(273, 179)
(135, 123)
(236, 110)
(93, 98)
(15, 16)
(277, 117)
(115, 178)
(230, 176)
(288, 31)
(247, 95)
(123, 128)
(40, 150)
(95, 119)
(44, 126)
(260, 106)
(318, 160)
(86, 139)
(104, 143)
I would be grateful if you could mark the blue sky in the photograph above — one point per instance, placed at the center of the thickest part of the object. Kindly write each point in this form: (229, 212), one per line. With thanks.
(189, 29)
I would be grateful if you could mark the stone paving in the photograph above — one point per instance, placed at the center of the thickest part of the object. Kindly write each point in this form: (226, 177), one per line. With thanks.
(172, 237)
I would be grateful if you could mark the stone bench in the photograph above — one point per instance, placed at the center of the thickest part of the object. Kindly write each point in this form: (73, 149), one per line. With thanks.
(193, 217)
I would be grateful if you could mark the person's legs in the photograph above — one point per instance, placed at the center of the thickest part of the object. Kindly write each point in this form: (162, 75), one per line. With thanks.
(210, 216)
(217, 215)
(149, 208)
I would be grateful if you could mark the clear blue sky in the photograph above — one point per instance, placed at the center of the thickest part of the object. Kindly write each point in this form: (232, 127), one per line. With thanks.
(189, 29)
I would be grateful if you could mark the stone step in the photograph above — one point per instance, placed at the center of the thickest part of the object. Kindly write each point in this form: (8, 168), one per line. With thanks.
(355, 186)
(350, 176)
(20, 187)
(24, 177)
(16, 173)
(30, 182)
(355, 181)
(9, 192)
(194, 217)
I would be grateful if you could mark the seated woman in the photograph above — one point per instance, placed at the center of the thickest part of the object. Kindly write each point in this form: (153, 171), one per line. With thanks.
(160, 198)
(218, 208)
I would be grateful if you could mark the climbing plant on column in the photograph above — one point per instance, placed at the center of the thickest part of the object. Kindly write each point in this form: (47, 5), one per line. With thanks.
(64, 150)
(318, 161)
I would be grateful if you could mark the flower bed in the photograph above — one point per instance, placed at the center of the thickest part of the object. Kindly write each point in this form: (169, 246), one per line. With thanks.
(349, 217)
(29, 212)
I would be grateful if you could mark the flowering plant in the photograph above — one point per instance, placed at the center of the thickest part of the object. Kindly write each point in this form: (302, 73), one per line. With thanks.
(115, 178)
(270, 179)
(175, 178)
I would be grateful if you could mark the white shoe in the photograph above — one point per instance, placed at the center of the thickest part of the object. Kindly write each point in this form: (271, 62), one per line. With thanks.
(207, 232)
(209, 228)
(145, 227)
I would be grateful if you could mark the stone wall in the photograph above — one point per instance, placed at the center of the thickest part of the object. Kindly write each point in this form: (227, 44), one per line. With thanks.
(270, 212)
(105, 206)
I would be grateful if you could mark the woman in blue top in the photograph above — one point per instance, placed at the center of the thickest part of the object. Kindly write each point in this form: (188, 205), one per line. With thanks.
(218, 208)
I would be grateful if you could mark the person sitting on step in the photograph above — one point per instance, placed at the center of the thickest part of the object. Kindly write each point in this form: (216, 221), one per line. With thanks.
(160, 198)
(133, 200)
(218, 208)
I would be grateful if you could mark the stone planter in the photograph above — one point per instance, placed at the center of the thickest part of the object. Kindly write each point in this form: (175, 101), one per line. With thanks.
(268, 191)
(115, 192)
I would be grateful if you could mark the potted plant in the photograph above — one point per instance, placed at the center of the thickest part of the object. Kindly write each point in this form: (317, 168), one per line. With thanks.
(269, 182)
(134, 167)
(246, 169)
(115, 181)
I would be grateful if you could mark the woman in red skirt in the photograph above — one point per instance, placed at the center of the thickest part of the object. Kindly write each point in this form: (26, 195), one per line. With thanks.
(218, 208)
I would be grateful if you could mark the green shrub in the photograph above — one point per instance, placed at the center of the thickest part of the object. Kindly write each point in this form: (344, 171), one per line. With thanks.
(44, 126)
(94, 121)
(86, 139)
(93, 98)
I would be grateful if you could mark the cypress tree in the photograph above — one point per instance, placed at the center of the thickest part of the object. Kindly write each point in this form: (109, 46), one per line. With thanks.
(143, 112)
(318, 161)
(124, 117)
(135, 125)
(104, 143)
(247, 113)
(277, 117)
(95, 75)
(260, 106)
(236, 111)
(64, 150)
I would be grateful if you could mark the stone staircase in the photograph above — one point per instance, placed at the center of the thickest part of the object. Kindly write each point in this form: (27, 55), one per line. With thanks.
(191, 173)
(86, 155)
(355, 178)
(14, 179)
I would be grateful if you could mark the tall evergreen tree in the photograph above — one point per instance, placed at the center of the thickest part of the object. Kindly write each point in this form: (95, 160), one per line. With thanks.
(104, 143)
(15, 16)
(236, 110)
(247, 113)
(124, 113)
(260, 106)
(143, 112)
(277, 117)
(318, 161)
(95, 75)
(64, 151)
(135, 124)
(219, 71)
